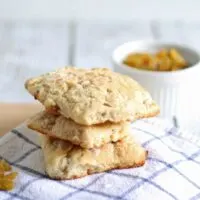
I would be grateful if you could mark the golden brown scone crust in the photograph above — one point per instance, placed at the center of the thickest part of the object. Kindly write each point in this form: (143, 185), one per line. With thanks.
(66, 161)
(92, 96)
(84, 136)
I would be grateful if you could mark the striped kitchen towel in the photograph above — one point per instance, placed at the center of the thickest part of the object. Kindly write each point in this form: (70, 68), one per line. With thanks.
(172, 170)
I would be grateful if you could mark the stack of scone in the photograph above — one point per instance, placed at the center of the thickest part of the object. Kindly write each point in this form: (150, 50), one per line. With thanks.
(85, 127)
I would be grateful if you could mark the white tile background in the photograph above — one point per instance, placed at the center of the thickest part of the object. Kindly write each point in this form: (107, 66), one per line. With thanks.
(100, 9)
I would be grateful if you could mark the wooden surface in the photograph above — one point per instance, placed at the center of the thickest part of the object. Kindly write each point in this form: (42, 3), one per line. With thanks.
(31, 48)
(14, 114)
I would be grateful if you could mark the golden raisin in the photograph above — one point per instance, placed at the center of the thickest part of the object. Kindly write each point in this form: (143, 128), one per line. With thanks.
(162, 53)
(164, 60)
(10, 176)
(7, 177)
(165, 65)
(175, 55)
(4, 166)
(6, 184)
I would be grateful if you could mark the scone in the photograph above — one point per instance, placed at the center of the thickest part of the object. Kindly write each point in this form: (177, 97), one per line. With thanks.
(85, 136)
(92, 96)
(64, 160)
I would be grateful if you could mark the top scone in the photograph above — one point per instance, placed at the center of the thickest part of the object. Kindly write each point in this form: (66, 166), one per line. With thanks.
(92, 96)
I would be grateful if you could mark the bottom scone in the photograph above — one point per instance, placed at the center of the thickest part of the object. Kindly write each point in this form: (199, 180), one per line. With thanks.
(64, 160)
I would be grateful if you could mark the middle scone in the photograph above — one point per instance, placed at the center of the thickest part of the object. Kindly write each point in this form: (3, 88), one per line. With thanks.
(62, 128)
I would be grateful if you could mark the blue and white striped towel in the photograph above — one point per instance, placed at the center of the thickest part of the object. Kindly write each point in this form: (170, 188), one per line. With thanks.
(172, 170)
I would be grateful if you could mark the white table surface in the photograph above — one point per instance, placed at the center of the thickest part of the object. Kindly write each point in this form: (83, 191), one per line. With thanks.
(31, 48)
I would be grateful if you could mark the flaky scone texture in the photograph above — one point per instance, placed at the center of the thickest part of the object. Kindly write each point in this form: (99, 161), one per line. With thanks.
(92, 96)
(64, 160)
(85, 136)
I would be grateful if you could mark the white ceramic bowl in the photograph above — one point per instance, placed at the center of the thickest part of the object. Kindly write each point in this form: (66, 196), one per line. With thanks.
(177, 92)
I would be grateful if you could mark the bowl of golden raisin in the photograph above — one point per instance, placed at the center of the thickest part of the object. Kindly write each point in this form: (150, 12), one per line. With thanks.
(163, 60)
(170, 71)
